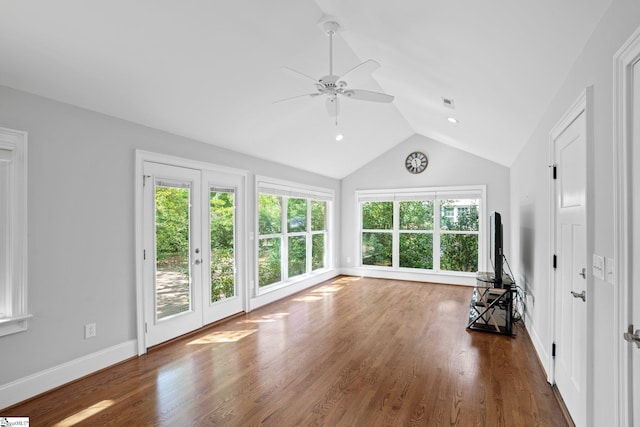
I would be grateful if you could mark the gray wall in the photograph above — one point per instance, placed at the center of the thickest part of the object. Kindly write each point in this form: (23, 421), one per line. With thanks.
(530, 203)
(448, 166)
(81, 264)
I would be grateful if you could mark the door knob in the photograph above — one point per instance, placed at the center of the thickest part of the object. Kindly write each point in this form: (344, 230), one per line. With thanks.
(582, 295)
(631, 337)
(583, 273)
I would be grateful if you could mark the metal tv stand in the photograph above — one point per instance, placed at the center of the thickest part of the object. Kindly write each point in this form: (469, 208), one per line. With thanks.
(491, 308)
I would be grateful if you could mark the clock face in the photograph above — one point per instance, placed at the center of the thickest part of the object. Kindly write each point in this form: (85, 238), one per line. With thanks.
(416, 162)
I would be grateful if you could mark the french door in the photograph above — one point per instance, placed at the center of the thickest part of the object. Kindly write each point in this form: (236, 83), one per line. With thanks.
(190, 246)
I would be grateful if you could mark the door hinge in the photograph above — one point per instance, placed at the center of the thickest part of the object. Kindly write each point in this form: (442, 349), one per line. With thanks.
(146, 330)
(555, 261)
(144, 179)
(555, 172)
(553, 350)
(144, 254)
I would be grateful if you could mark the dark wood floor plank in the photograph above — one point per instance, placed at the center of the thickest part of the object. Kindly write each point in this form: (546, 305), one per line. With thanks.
(349, 352)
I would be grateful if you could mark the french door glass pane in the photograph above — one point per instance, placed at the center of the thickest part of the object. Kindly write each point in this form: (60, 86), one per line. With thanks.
(269, 261)
(297, 255)
(222, 214)
(173, 284)
(459, 252)
(376, 249)
(317, 251)
(416, 250)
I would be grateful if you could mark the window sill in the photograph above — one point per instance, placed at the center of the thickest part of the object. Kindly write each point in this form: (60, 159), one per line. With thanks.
(12, 325)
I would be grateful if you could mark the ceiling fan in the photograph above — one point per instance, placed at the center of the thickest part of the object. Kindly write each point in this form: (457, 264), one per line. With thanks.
(333, 86)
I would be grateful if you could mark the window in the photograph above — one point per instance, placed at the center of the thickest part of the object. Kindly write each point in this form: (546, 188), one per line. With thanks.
(292, 232)
(426, 229)
(13, 231)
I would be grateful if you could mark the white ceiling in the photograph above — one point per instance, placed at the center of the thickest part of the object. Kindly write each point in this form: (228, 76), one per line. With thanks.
(210, 70)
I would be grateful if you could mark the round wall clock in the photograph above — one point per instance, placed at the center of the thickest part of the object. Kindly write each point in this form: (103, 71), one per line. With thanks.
(416, 162)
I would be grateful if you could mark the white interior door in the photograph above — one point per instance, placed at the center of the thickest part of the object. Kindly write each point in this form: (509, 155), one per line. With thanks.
(634, 282)
(571, 274)
(172, 235)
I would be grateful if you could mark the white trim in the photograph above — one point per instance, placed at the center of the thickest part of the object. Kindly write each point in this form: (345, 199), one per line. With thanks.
(15, 293)
(40, 382)
(447, 278)
(623, 61)
(584, 104)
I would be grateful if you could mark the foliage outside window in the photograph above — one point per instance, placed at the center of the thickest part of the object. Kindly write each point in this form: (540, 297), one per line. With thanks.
(377, 226)
(429, 233)
(416, 234)
(292, 237)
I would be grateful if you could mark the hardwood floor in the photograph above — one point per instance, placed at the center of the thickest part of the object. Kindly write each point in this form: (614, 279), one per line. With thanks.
(349, 352)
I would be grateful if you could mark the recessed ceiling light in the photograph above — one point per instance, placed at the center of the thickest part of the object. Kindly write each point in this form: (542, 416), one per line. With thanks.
(452, 119)
(339, 137)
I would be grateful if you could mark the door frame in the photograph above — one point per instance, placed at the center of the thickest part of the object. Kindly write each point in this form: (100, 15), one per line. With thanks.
(623, 62)
(584, 104)
(142, 156)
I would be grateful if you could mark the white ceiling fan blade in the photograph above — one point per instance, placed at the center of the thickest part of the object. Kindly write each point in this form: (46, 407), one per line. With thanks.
(367, 95)
(333, 107)
(297, 96)
(368, 66)
(299, 74)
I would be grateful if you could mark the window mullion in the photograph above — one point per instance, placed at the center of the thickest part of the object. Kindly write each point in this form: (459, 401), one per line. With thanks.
(436, 235)
(395, 239)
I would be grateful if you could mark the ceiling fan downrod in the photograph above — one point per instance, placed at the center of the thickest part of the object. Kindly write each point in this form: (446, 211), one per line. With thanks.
(331, 27)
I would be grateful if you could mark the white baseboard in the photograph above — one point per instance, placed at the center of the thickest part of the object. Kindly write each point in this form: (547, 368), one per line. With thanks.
(539, 347)
(40, 382)
(449, 279)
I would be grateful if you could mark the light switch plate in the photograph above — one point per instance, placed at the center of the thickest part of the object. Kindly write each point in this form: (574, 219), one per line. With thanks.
(610, 268)
(598, 266)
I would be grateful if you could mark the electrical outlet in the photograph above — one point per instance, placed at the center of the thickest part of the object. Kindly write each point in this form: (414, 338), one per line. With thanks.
(89, 330)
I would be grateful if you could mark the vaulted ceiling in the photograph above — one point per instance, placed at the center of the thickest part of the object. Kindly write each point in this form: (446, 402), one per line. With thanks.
(211, 70)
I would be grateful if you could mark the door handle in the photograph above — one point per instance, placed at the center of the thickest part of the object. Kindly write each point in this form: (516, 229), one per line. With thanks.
(583, 273)
(582, 295)
(631, 337)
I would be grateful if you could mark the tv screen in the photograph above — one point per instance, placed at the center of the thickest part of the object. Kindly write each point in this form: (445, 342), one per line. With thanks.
(495, 245)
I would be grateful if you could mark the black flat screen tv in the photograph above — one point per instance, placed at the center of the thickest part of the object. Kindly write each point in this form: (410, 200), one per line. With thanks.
(495, 246)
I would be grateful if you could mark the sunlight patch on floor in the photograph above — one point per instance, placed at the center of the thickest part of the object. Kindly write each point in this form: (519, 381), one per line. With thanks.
(266, 319)
(345, 280)
(308, 298)
(78, 417)
(223, 337)
(328, 288)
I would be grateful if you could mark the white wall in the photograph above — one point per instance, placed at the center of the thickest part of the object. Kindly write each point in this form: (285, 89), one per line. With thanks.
(447, 167)
(530, 204)
(81, 232)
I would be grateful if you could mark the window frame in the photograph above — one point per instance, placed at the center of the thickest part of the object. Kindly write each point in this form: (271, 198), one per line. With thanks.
(290, 190)
(14, 285)
(437, 194)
